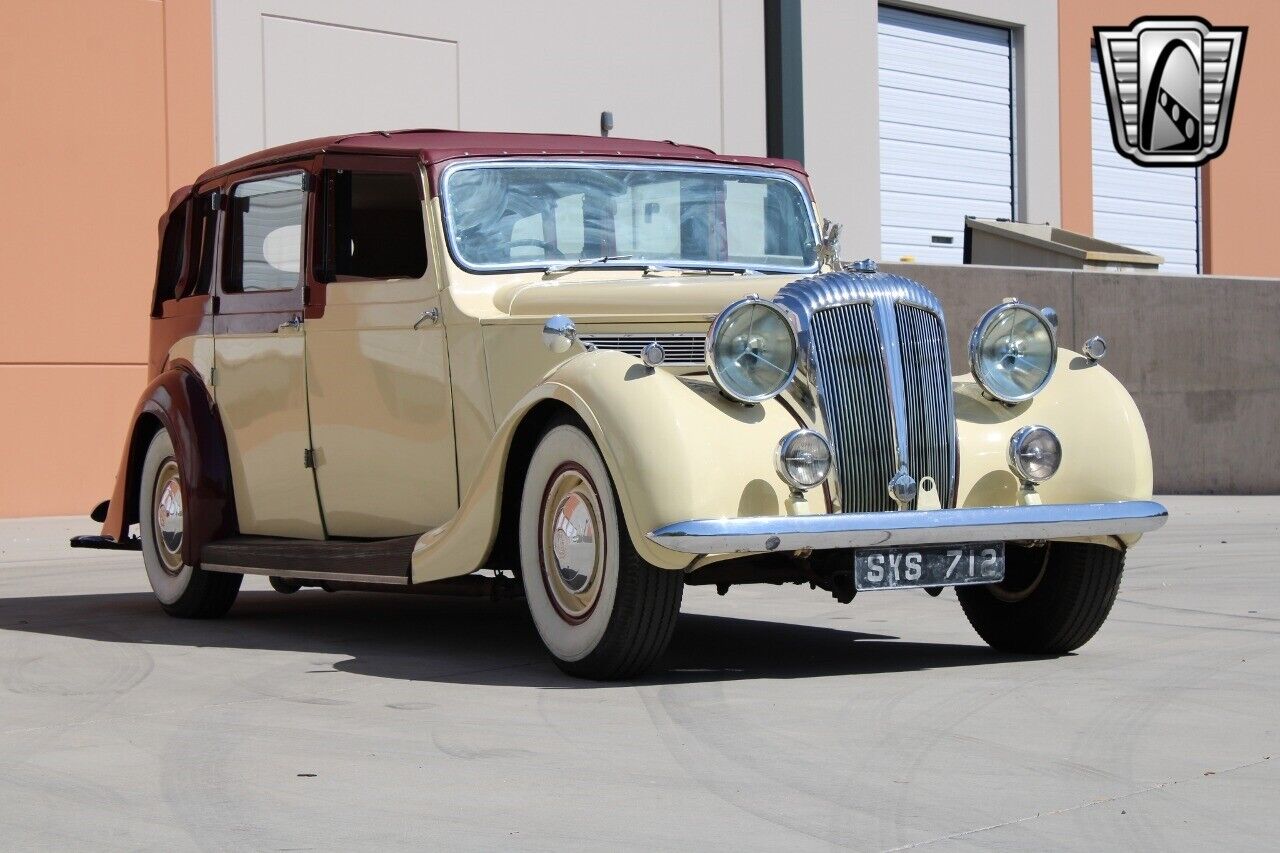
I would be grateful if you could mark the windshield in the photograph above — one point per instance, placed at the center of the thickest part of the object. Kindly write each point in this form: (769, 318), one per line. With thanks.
(522, 215)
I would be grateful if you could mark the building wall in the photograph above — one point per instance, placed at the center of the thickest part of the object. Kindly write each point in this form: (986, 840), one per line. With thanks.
(690, 70)
(1239, 189)
(841, 107)
(106, 107)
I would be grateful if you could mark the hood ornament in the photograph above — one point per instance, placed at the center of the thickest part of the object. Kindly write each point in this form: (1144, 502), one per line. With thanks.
(829, 246)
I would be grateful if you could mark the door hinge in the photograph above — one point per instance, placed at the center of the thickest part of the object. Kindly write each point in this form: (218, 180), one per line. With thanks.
(308, 458)
(213, 376)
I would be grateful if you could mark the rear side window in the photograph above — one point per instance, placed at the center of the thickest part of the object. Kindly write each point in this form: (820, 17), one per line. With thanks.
(204, 230)
(376, 229)
(172, 251)
(264, 240)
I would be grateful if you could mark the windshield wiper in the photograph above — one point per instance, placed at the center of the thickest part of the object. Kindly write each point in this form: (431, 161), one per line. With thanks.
(657, 268)
(584, 262)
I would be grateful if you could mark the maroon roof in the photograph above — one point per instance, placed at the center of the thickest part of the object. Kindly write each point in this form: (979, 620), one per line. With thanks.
(439, 146)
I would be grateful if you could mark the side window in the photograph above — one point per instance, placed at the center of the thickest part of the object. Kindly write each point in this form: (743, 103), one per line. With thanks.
(264, 235)
(172, 250)
(204, 229)
(377, 230)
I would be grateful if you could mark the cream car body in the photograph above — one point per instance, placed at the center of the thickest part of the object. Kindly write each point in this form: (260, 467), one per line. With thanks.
(405, 408)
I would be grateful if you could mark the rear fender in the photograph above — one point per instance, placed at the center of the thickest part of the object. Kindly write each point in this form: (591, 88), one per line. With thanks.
(178, 401)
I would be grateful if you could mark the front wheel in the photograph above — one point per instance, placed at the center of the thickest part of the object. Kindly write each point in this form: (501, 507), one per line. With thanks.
(601, 611)
(182, 589)
(1052, 601)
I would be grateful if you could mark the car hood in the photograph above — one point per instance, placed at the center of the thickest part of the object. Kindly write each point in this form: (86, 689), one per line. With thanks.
(665, 297)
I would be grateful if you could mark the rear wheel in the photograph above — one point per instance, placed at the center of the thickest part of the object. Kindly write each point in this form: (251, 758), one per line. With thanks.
(1052, 601)
(182, 590)
(600, 609)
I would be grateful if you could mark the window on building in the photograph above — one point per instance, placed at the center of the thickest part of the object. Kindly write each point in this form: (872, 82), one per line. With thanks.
(264, 240)
(376, 230)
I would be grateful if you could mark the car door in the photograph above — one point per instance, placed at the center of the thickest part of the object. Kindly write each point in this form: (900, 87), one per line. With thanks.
(377, 364)
(260, 382)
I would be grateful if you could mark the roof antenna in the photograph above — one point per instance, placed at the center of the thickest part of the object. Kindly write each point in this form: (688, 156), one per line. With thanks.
(606, 123)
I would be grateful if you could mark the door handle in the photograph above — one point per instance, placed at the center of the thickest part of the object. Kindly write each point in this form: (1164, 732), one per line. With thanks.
(430, 316)
(290, 325)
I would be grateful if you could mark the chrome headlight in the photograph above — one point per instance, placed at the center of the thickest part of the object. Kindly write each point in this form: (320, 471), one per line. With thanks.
(752, 351)
(1012, 352)
(803, 459)
(1035, 453)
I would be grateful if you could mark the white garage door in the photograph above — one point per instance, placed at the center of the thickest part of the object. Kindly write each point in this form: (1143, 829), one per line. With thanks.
(946, 132)
(1153, 209)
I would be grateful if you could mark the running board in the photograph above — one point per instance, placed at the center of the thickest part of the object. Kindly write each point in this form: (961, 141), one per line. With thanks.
(378, 561)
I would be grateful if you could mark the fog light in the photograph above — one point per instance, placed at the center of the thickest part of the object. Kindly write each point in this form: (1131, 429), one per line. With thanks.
(803, 459)
(1035, 454)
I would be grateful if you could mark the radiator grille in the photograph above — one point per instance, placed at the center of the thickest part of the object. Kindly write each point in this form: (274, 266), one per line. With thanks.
(680, 348)
(857, 407)
(855, 401)
(930, 405)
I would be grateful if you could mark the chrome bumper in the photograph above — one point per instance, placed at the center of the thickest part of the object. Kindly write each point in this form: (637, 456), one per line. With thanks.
(923, 527)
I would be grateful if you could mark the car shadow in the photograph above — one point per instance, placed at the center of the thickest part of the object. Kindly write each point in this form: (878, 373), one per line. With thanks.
(464, 641)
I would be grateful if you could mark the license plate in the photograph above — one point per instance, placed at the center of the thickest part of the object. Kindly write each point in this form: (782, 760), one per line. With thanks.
(947, 565)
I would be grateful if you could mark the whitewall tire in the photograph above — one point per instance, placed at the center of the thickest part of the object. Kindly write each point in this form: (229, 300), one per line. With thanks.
(601, 611)
(182, 589)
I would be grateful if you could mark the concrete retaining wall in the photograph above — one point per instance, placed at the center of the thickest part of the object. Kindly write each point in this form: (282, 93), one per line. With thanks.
(1200, 354)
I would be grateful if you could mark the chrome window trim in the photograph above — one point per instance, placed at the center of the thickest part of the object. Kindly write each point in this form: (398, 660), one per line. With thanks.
(806, 297)
(638, 164)
(975, 338)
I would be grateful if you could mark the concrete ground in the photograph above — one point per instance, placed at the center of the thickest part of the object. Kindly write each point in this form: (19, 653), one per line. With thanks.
(779, 719)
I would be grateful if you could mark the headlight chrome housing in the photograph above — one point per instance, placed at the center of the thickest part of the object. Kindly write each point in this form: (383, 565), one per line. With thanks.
(802, 459)
(1035, 453)
(1013, 352)
(753, 350)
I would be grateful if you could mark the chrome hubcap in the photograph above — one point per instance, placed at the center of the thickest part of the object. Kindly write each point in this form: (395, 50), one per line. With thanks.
(572, 547)
(168, 517)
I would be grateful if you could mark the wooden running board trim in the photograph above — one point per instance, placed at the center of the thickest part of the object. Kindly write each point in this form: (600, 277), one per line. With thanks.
(381, 561)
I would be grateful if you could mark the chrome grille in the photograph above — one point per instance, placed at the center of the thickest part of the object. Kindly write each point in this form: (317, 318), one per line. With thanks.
(855, 400)
(930, 404)
(680, 348)
(877, 380)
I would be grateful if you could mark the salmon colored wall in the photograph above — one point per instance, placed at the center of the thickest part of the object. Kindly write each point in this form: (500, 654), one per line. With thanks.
(107, 106)
(1241, 206)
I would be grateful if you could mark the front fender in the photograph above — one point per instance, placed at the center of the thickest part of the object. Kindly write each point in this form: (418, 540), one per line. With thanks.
(670, 443)
(678, 450)
(1105, 452)
(178, 401)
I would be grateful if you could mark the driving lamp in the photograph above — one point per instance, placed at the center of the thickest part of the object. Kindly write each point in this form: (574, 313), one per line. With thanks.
(752, 351)
(1012, 352)
(803, 459)
(1035, 454)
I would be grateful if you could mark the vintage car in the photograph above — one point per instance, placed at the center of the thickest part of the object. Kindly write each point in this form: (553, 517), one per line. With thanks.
(592, 371)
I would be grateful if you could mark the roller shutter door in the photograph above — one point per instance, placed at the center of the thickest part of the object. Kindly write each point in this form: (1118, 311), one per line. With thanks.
(1157, 210)
(946, 132)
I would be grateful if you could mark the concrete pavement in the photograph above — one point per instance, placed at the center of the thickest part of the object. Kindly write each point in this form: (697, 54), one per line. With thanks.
(779, 719)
